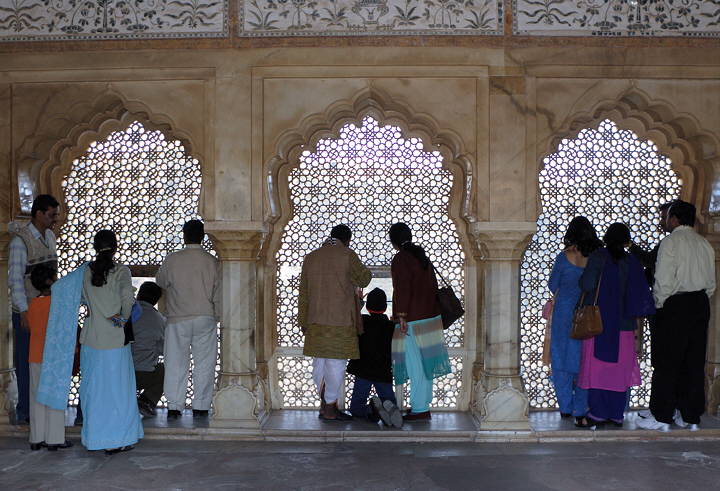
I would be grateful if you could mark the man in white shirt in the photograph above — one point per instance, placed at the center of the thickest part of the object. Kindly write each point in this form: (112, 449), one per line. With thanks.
(32, 245)
(684, 281)
(191, 280)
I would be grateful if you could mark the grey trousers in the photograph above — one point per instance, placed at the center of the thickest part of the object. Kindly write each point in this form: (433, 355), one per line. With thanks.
(46, 424)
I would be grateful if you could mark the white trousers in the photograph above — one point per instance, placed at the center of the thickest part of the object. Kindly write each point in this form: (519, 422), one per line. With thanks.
(198, 334)
(46, 424)
(331, 373)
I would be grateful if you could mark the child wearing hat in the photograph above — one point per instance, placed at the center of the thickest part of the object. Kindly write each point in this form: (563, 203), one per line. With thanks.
(374, 367)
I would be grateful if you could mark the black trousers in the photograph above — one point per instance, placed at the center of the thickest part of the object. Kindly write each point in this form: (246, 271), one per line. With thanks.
(678, 345)
(151, 383)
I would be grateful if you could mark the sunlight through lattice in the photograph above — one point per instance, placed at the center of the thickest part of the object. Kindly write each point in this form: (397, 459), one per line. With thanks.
(607, 175)
(369, 177)
(138, 184)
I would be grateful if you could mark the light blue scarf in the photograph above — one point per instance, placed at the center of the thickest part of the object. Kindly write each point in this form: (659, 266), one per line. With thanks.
(60, 339)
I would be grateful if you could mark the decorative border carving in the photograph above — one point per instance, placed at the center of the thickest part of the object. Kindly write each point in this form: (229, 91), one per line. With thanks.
(93, 20)
(274, 18)
(613, 18)
(677, 135)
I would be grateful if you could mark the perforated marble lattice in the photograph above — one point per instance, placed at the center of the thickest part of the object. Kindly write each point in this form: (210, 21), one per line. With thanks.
(608, 175)
(369, 177)
(137, 183)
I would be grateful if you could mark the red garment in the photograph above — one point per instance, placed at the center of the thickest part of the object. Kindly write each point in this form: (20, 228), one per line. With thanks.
(37, 315)
(414, 288)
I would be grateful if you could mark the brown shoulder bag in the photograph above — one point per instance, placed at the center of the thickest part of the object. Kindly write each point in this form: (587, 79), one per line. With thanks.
(587, 322)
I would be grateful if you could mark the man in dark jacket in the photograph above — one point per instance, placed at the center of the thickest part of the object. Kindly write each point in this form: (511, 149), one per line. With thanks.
(374, 367)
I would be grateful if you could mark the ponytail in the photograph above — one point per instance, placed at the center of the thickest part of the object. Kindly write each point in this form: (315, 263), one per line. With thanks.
(401, 237)
(105, 244)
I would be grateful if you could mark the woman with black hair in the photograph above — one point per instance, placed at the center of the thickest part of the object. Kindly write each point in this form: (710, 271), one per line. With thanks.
(418, 346)
(107, 392)
(579, 242)
(609, 365)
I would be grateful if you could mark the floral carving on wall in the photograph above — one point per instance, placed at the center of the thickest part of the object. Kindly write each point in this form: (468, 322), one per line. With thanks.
(694, 18)
(29, 20)
(369, 17)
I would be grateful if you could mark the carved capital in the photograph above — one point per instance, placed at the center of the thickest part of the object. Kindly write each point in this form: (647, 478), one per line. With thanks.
(502, 241)
(237, 241)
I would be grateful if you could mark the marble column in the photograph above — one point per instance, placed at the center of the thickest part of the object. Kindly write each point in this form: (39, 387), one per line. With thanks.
(6, 349)
(499, 399)
(240, 401)
(712, 359)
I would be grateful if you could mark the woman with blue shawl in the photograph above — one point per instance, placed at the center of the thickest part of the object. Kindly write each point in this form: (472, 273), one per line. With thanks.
(107, 393)
(609, 365)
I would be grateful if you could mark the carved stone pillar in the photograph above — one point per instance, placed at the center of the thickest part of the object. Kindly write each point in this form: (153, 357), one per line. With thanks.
(6, 358)
(712, 358)
(240, 401)
(499, 399)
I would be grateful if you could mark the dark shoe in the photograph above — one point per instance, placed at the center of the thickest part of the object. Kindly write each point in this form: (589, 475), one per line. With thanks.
(146, 410)
(332, 413)
(37, 446)
(173, 414)
(372, 414)
(565, 415)
(585, 422)
(200, 413)
(113, 451)
(377, 405)
(54, 448)
(424, 416)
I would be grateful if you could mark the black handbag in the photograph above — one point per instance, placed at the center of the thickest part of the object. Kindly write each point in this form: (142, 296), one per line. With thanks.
(451, 308)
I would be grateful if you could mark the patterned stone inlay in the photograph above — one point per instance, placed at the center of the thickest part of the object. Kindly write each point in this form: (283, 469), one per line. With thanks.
(368, 17)
(608, 175)
(38, 20)
(699, 18)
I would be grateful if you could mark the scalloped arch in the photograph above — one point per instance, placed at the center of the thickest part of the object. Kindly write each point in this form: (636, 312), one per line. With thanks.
(677, 135)
(386, 110)
(110, 112)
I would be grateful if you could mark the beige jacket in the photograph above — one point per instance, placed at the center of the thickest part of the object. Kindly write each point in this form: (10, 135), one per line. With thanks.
(191, 279)
(328, 280)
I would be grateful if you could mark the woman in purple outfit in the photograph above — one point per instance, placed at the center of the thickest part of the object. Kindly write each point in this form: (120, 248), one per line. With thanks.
(609, 364)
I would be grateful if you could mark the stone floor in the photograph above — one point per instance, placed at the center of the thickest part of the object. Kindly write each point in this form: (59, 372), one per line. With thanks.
(203, 465)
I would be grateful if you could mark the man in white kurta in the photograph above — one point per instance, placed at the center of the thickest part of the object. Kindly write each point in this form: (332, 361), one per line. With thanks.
(191, 280)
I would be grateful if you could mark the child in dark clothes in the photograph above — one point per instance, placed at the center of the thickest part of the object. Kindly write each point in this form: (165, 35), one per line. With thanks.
(374, 368)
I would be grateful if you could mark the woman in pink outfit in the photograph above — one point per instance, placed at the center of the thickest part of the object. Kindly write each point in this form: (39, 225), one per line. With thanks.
(609, 365)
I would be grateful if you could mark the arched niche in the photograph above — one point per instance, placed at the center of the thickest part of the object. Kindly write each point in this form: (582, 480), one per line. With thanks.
(386, 110)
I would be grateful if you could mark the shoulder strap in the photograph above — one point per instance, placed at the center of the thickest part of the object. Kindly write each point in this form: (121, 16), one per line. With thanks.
(437, 273)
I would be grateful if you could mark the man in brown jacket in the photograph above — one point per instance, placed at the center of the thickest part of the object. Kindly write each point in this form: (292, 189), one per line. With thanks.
(329, 314)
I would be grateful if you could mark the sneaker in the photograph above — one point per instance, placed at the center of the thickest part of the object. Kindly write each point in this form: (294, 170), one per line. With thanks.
(382, 412)
(396, 418)
(693, 427)
(372, 414)
(645, 413)
(652, 424)
(677, 417)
